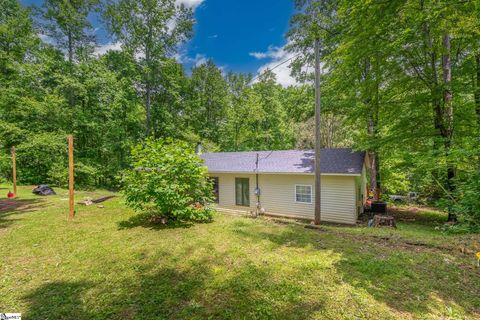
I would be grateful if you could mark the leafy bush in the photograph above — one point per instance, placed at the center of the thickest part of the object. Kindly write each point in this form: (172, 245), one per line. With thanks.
(468, 205)
(168, 180)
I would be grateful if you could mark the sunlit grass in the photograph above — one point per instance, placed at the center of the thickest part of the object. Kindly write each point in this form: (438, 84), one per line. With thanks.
(106, 265)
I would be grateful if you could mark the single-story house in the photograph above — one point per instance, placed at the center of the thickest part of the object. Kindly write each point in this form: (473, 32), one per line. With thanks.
(282, 183)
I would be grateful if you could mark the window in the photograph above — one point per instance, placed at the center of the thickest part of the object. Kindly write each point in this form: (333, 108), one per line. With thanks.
(216, 190)
(303, 193)
(242, 192)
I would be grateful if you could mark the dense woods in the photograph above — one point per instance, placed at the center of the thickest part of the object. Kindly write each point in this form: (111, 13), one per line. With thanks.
(401, 79)
(405, 75)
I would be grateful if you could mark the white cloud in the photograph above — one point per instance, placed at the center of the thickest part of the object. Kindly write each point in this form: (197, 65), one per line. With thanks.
(46, 39)
(277, 55)
(258, 55)
(179, 57)
(104, 48)
(199, 59)
(190, 3)
(272, 52)
(196, 61)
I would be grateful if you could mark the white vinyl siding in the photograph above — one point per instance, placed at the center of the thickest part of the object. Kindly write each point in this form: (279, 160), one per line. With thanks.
(338, 195)
(227, 196)
(338, 199)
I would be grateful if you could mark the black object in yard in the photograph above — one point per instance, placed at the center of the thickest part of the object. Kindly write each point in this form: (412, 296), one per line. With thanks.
(379, 207)
(43, 190)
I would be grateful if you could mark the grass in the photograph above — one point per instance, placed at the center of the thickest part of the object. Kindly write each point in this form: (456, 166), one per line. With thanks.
(110, 264)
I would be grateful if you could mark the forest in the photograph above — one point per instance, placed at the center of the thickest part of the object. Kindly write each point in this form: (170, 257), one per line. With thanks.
(400, 79)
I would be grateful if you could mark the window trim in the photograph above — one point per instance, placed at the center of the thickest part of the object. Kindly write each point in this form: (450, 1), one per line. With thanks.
(248, 194)
(217, 199)
(295, 193)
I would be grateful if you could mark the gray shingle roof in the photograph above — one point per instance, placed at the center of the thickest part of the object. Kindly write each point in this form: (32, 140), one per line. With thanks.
(341, 161)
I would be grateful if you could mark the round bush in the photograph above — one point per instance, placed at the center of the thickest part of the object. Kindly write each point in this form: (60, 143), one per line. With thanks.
(167, 179)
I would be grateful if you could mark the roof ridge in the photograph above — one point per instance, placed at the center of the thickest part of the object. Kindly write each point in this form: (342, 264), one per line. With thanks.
(284, 150)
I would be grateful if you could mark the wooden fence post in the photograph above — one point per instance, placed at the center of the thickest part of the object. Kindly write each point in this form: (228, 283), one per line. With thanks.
(70, 179)
(14, 170)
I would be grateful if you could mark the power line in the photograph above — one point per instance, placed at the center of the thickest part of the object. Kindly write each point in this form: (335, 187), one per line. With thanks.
(271, 69)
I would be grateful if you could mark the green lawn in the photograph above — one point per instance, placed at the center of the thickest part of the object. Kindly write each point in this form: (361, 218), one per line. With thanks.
(107, 265)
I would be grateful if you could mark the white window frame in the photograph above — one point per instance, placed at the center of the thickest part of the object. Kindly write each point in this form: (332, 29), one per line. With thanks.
(295, 193)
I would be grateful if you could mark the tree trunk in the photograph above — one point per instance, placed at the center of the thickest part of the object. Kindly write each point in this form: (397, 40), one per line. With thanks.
(447, 125)
(477, 87)
(436, 98)
(148, 92)
(374, 163)
(70, 47)
(148, 79)
(372, 131)
(477, 99)
(148, 102)
(71, 101)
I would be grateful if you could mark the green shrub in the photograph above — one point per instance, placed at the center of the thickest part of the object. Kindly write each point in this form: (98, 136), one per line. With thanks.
(468, 205)
(168, 179)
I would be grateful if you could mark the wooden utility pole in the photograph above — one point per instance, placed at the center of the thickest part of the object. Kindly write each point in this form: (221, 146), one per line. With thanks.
(71, 190)
(14, 170)
(318, 188)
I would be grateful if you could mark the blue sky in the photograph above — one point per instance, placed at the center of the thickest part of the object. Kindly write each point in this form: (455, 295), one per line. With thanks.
(239, 35)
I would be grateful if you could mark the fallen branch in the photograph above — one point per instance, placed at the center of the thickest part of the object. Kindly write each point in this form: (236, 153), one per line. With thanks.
(98, 200)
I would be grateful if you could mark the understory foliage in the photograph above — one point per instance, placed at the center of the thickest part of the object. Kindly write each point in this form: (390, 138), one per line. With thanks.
(469, 203)
(167, 179)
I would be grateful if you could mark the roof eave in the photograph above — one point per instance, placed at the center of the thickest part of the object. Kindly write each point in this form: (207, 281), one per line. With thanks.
(289, 173)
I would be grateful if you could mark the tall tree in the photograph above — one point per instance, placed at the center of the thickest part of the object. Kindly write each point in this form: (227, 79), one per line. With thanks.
(149, 30)
(346, 48)
(17, 37)
(274, 130)
(237, 111)
(18, 45)
(67, 23)
(170, 107)
(207, 99)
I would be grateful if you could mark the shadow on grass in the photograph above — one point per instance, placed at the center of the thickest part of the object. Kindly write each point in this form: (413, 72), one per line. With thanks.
(204, 283)
(405, 280)
(193, 291)
(57, 300)
(11, 207)
(146, 221)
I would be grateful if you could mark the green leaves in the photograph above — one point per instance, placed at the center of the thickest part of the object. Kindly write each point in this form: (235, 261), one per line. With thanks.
(168, 179)
(39, 156)
(149, 30)
(386, 72)
(207, 100)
